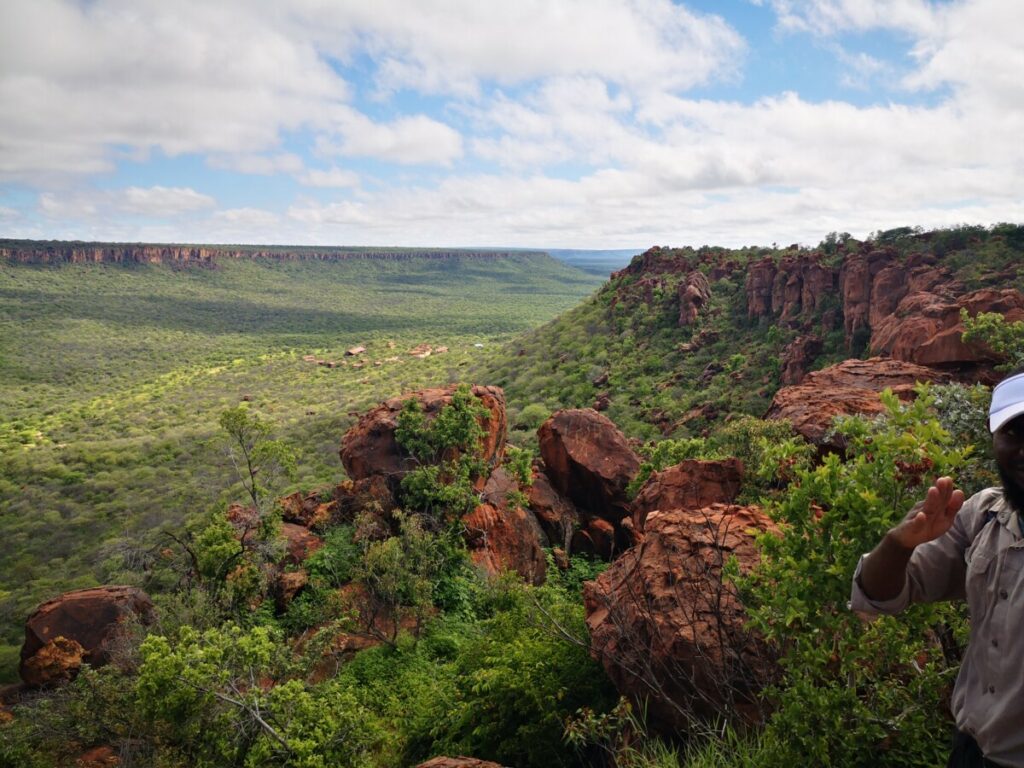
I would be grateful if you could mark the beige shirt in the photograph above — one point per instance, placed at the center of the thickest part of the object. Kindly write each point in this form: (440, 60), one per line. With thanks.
(980, 559)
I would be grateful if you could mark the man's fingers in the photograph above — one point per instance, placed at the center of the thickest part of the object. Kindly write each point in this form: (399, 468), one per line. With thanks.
(956, 500)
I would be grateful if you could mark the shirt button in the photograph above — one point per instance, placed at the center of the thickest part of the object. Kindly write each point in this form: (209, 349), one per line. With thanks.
(1003, 594)
(991, 689)
(995, 643)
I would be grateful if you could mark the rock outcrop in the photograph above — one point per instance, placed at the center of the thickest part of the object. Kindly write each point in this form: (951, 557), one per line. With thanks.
(694, 293)
(557, 515)
(794, 285)
(691, 484)
(848, 388)
(502, 536)
(369, 448)
(666, 628)
(925, 328)
(589, 461)
(798, 356)
(93, 619)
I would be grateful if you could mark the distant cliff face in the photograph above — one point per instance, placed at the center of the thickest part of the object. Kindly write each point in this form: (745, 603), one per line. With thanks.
(45, 252)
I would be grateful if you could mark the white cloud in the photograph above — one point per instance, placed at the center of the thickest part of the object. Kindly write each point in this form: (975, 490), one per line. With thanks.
(149, 201)
(248, 217)
(161, 201)
(450, 47)
(412, 140)
(187, 76)
(265, 165)
(330, 177)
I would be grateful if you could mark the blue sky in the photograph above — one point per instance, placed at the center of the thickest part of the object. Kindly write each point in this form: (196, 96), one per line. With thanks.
(540, 123)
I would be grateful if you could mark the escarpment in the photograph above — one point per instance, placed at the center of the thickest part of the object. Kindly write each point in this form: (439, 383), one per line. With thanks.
(74, 252)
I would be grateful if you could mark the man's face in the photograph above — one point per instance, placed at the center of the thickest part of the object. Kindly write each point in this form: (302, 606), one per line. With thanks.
(1008, 447)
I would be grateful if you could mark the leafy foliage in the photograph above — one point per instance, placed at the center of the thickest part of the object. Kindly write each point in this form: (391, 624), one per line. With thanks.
(855, 693)
(448, 448)
(1003, 338)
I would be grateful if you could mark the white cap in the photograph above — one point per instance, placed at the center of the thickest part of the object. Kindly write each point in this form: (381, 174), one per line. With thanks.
(1007, 401)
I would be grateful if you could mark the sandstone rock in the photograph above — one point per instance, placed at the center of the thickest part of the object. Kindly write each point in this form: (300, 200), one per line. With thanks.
(98, 757)
(505, 537)
(855, 286)
(694, 293)
(589, 461)
(667, 629)
(691, 484)
(93, 618)
(798, 356)
(300, 543)
(457, 762)
(369, 447)
(845, 389)
(309, 509)
(558, 516)
(289, 584)
(760, 279)
(926, 327)
(56, 662)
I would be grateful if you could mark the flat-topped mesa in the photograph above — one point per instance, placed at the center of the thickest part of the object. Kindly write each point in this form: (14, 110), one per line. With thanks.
(73, 252)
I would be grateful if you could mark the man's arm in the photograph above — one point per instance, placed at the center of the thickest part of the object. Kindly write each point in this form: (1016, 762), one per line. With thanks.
(883, 572)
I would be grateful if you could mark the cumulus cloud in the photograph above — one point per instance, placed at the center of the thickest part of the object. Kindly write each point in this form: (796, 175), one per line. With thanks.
(330, 177)
(141, 201)
(413, 140)
(265, 165)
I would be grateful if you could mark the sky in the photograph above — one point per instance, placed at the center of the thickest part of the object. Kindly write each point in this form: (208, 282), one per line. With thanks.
(532, 123)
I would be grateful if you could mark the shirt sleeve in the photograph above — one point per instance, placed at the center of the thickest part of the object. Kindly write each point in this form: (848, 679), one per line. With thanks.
(936, 570)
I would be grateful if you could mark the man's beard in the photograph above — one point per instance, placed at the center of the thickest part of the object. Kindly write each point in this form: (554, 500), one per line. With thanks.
(1013, 491)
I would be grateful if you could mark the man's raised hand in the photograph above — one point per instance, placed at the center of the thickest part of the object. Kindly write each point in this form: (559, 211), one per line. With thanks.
(932, 517)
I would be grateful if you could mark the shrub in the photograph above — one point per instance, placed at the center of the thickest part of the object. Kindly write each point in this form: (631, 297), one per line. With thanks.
(854, 693)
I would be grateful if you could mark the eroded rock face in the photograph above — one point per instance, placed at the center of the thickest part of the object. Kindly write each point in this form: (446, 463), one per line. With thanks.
(300, 543)
(694, 293)
(369, 447)
(502, 536)
(505, 538)
(589, 461)
(558, 516)
(307, 509)
(664, 626)
(760, 280)
(846, 389)
(56, 662)
(798, 356)
(926, 329)
(93, 618)
(691, 484)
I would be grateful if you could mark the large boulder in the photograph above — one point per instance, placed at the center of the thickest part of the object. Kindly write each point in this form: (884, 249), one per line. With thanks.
(846, 389)
(691, 484)
(94, 619)
(668, 630)
(558, 517)
(457, 762)
(501, 535)
(369, 448)
(588, 461)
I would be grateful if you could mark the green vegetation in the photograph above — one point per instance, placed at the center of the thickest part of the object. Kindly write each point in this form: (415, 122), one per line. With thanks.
(122, 468)
(112, 380)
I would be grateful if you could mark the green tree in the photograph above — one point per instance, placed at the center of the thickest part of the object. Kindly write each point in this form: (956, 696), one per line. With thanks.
(1003, 338)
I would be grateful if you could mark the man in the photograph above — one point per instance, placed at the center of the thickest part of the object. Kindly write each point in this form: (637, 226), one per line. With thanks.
(948, 549)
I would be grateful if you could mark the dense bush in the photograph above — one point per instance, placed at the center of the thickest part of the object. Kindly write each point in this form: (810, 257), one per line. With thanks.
(855, 693)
